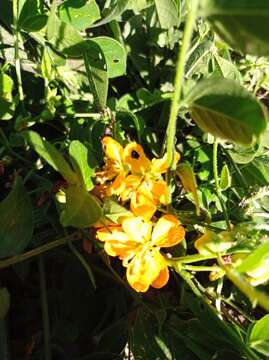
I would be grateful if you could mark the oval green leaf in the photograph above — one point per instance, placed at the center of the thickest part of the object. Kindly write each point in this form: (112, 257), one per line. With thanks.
(227, 110)
(96, 68)
(225, 178)
(259, 336)
(7, 106)
(242, 24)
(81, 209)
(115, 55)
(81, 14)
(16, 221)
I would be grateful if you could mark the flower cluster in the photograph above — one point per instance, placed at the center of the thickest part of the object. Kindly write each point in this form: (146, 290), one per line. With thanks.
(137, 238)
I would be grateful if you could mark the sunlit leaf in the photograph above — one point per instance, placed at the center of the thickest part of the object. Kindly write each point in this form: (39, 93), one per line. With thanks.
(227, 110)
(51, 155)
(81, 209)
(78, 154)
(113, 12)
(96, 69)
(259, 336)
(242, 24)
(225, 178)
(168, 13)
(114, 54)
(79, 13)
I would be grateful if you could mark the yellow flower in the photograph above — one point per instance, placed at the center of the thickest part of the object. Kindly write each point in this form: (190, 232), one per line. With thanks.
(129, 174)
(137, 242)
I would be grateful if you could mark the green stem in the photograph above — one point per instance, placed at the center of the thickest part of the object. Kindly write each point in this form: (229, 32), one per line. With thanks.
(45, 310)
(255, 296)
(218, 190)
(179, 80)
(16, 50)
(201, 268)
(39, 250)
(83, 263)
(190, 259)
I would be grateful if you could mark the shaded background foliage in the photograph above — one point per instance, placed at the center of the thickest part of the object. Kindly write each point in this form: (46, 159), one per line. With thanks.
(90, 68)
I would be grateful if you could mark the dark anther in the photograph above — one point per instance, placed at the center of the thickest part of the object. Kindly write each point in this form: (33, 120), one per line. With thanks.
(135, 154)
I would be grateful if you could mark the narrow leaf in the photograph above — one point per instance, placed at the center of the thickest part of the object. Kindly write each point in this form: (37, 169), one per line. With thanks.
(225, 178)
(188, 179)
(79, 158)
(51, 155)
(4, 302)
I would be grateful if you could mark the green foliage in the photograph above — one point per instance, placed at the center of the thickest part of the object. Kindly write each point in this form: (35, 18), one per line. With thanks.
(16, 223)
(75, 71)
(226, 110)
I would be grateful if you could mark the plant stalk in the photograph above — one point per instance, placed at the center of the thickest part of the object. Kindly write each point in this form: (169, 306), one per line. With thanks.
(39, 250)
(16, 51)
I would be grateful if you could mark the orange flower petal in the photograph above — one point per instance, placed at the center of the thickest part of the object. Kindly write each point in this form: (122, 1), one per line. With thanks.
(113, 149)
(159, 191)
(117, 242)
(134, 156)
(162, 278)
(160, 166)
(137, 229)
(168, 231)
(142, 206)
(144, 269)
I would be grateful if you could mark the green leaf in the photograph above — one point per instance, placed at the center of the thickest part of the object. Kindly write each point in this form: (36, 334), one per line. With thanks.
(225, 178)
(16, 221)
(113, 211)
(188, 179)
(4, 302)
(115, 55)
(30, 17)
(79, 158)
(259, 336)
(51, 155)
(34, 23)
(227, 110)
(64, 37)
(7, 106)
(113, 12)
(198, 58)
(81, 14)
(81, 209)
(227, 69)
(255, 259)
(168, 13)
(96, 69)
(242, 24)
